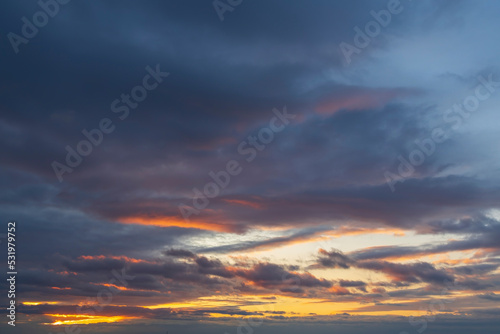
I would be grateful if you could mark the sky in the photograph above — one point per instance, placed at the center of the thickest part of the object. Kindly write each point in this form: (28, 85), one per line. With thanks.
(251, 166)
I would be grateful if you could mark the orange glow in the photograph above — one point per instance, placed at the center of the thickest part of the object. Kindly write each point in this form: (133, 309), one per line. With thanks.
(211, 302)
(338, 290)
(484, 252)
(72, 319)
(356, 101)
(102, 257)
(63, 272)
(38, 303)
(348, 231)
(447, 261)
(116, 287)
(438, 256)
(403, 313)
(173, 221)
(244, 203)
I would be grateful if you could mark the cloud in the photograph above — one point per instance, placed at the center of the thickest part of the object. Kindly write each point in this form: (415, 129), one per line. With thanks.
(275, 276)
(397, 272)
(333, 259)
(490, 296)
(119, 209)
(414, 272)
(180, 253)
(349, 284)
(480, 232)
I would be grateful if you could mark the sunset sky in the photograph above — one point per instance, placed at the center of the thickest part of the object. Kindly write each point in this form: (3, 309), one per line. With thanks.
(251, 167)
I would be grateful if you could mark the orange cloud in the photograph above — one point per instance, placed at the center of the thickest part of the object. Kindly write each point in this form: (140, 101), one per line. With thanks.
(345, 230)
(174, 221)
(338, 290)
(356, 101)
(102, 257)
(245, 203)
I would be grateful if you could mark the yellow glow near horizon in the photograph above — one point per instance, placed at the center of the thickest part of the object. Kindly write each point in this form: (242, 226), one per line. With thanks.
(211, 301)
(300, 306)
(74, 319)
(39, 303)
(327, 303)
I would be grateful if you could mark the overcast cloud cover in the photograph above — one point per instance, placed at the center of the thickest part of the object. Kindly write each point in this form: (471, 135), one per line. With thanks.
(285, 172)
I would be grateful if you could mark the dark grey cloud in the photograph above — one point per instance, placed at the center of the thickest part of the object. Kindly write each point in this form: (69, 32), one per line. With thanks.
(94, 265)
(334, 259)
(478, 269)
(349, 284)
(272, 275)
(490, 296)
(414, 272)
(179, 253)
